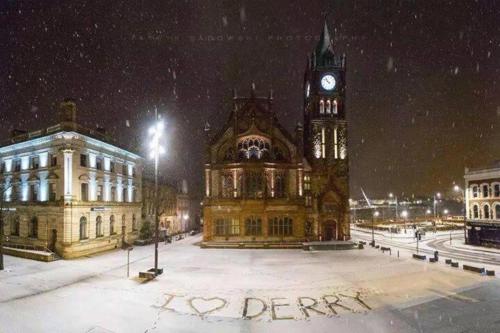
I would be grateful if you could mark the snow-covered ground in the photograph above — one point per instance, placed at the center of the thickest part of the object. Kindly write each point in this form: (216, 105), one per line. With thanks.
(221, 290)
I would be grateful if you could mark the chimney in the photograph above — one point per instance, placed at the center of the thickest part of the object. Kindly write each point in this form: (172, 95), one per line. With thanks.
(67, 110)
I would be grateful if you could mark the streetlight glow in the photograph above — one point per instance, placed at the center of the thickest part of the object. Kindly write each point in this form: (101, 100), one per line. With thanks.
(404, 214)
(376, 213)
(456, 188)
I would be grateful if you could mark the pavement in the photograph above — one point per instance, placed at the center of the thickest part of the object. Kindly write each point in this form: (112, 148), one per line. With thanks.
(243, 290)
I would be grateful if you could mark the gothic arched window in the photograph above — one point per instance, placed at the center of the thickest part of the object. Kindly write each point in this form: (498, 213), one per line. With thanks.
(328, 106)
(83, 227)
(253, 148)
(334, 107)
(227, 185)
(279, 186)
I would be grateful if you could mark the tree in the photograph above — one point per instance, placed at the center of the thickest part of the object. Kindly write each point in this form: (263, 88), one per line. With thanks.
(145, 232)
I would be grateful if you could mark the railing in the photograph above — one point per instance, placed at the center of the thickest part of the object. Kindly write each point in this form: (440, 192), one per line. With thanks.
(29, 247)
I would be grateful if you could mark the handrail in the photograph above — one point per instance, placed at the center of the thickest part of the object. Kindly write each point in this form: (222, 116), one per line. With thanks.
(28, 247)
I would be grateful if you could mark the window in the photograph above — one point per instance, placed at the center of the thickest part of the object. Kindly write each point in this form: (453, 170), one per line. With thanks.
(33, 228)
(475, 210)
(99, 192)
(98, 163)
(112, 166)
(254, 182)
(308, 200)
(475, 192)
(17, 165)
(124, 169)
(124, 194)
(98, 226)
(112, 225)
(321, 107)
(2, 167)
(335, 143)
(52, 192)
(307, 182)
(323, 143)
(253, 226)
(280, 226)
(53, 160)
(14, 226)
(134, 195)
(334, 107)
(328, 106)
(83, 228)
(253, 148)
(134, 223)
(497, 212)
(486, 211)
(113, 193)
(485, 191)
(227, 185)
(33, 192)
(34, 162)
(85, 191)
(279, 186)
(227, 227)
(83, 160)
(496, 190)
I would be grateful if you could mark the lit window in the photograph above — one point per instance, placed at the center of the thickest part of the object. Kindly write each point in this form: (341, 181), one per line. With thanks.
(321, 107)
(328, 106)
(323, 143)
(334, 107)
(227, 227)
(281, 226)
(253, 148)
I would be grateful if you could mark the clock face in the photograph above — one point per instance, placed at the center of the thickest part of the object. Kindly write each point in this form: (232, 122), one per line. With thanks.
(328, 82)
(308, 89)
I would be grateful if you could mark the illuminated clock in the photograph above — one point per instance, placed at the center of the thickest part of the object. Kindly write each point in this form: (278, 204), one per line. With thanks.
(328, 82)
(308, 89)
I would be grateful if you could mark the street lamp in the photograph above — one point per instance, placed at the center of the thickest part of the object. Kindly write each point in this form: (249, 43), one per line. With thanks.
(375, 214)
(437, 196)
(155, 134)
(457, 189)
(391, 195)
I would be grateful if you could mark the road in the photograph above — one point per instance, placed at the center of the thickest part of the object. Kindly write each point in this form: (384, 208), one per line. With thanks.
(431, 244)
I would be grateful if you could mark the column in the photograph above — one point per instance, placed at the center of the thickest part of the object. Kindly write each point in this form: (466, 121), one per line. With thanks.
(68, 174)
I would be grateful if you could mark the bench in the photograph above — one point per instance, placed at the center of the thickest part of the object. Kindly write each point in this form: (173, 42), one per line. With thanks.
(490, 272)
(419, 256)
(447, 261)
(454, 264)
(473, 269)
(432, 260)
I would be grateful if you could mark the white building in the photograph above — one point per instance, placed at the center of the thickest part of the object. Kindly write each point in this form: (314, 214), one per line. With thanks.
(65, 188)
(482, 192)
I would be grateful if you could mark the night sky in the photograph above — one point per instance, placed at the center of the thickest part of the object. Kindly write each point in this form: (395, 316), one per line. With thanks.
(423, 97)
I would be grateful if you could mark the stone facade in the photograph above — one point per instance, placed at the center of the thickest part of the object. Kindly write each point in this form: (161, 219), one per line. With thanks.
(482, 193)
(69, 189)
(263, 184)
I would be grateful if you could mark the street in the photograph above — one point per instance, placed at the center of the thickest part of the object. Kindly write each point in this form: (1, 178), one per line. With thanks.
(244, 291)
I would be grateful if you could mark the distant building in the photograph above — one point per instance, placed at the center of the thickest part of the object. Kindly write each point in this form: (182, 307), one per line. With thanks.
(482, 192)
(69, 189)
(174, 209)
(263, 184)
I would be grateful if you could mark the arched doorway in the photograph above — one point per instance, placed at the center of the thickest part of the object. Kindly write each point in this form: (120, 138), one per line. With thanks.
(329, 230)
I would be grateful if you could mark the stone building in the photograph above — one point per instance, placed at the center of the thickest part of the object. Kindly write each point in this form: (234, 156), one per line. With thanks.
(174, 206)
(482, 198)
(263, 184)
(69, 189)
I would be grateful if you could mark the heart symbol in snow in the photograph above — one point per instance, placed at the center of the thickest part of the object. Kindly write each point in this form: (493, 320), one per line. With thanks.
(203, 305)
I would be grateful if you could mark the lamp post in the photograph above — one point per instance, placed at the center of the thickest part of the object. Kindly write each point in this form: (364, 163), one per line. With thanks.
(391, 195)
(375, 214)
(437, 196)
(457, 189)
(155, 134)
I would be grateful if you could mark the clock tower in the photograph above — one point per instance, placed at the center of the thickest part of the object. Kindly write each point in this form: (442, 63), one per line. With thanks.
(325, 139)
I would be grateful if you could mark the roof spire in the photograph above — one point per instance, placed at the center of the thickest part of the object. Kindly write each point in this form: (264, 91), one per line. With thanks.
(325, 41)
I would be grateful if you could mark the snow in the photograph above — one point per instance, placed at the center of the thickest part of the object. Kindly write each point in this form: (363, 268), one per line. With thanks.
(210, 290)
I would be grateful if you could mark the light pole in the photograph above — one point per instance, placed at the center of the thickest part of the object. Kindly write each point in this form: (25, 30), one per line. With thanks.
(375, 214)
(155, 134)
(396, 204)
(457, 189)
(128, 260)
(437, 196)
